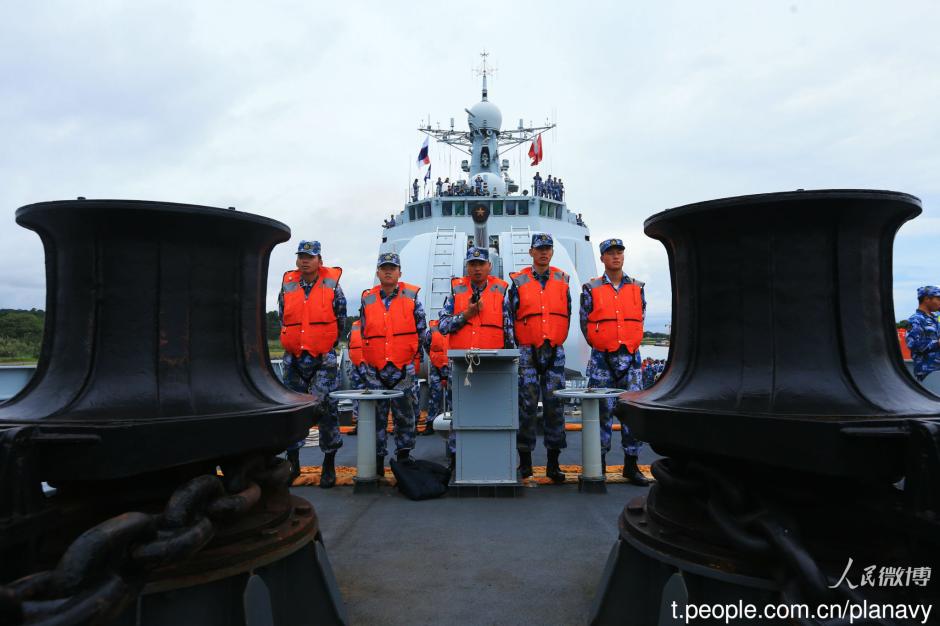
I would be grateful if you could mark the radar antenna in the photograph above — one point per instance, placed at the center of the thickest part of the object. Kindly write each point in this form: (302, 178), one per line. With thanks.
(508, 139)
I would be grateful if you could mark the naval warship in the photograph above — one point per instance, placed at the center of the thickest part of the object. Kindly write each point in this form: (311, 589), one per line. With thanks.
(431, 234)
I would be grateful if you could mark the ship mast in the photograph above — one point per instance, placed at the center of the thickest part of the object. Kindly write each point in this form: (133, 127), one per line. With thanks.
(506, 139)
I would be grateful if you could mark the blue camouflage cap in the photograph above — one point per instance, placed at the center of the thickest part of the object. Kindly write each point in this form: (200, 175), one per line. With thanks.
(309, 247)
(607, 244)
(929, 290)
(477, 254)
(388, 258)
(542, 240)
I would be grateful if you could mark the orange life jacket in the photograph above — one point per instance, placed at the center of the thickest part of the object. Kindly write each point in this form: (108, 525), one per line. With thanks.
(617, 317)
(309, 323)
(355, 344)
(543, 313)
(485, 329)
(439, 345)
(390, 336)
(902, 339)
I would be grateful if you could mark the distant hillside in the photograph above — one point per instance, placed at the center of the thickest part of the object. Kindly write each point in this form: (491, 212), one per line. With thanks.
(20, 334)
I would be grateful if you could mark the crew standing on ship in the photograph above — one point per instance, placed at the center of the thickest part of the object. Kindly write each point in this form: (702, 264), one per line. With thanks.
(312, 311)
(613, 308)
(438, 374)
(474, 314)
(539, 313)
(923, 337)
(392, 321)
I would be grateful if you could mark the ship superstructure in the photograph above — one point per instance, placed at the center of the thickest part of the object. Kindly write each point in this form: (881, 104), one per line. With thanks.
(432, 234)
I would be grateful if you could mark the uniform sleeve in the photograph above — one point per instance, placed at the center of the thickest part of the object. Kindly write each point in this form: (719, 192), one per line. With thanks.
(280, 306)
(512, 305)
(421, 325)
(918, 339)
(509, 340)
(587, 305)
(643, 298)
(339, 310)
(450, 323)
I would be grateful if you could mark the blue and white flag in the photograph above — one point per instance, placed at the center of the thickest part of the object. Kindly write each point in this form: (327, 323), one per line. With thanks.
(423, 157)
(427, 176)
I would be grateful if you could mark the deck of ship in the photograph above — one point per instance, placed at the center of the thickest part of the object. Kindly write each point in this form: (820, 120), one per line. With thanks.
(534, 559)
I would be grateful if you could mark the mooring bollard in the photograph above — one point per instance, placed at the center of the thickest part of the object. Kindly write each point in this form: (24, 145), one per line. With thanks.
(366, 480)
(592, 479)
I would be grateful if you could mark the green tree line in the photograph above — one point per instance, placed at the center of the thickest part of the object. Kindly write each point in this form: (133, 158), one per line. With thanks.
(21, 334)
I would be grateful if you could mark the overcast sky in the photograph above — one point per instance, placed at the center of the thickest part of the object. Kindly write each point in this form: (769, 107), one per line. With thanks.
(306, 112)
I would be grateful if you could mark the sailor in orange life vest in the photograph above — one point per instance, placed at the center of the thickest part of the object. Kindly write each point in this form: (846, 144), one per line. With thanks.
(539, 306)
(312, 311)
(438, 375)
(474, 314)
(392, 321)
(613, 307)
(354, 363)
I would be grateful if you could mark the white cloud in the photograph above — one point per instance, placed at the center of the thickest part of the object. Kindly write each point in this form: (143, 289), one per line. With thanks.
(306, 112)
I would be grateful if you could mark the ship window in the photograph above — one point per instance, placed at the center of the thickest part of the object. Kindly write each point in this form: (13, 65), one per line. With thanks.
(543, 208)
(447, 209)
(411, 214)
(510, 208)
(427, 209)
(497, 208)
(557, 212)
(459, 208)
(524, 207)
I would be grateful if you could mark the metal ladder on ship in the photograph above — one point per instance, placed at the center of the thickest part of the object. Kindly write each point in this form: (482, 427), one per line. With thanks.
(521, 241)
(442, 269)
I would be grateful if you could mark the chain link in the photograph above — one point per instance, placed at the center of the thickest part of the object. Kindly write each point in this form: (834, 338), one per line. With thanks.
(104, 568)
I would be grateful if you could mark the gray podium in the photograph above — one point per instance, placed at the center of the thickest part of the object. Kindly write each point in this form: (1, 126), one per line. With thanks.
(485, 418)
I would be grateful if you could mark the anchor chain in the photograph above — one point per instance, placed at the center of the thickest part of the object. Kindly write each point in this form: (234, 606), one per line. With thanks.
(105, 568)
(757, 527)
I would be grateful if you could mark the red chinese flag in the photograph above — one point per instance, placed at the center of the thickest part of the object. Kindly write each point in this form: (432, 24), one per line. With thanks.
(535, 150)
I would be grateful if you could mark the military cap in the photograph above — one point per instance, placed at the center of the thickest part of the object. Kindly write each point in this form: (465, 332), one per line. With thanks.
(542, 240)
(388, 258)
(309, 247)
(607, 244)
(477, 254)
(926, 292)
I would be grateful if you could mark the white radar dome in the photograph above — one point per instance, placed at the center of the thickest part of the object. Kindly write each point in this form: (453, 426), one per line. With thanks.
(485, 115)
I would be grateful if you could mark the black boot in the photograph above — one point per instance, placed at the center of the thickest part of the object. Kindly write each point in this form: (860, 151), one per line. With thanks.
(428, 427)
(552, 470)
(328, 471)
(453, 465)
(525, 463)
(604, 464)
(293, 457)
(632, 473)
(380, 465)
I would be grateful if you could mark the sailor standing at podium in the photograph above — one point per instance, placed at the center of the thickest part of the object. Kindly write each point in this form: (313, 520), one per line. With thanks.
(539, 306)
(474, 314)
(312, 310)
(613, 307)
(392, 320)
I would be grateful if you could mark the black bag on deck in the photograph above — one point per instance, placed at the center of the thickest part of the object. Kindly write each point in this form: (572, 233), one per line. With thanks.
(421, 480)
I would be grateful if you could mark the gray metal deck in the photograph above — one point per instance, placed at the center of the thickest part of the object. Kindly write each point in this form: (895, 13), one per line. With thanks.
(536, 559)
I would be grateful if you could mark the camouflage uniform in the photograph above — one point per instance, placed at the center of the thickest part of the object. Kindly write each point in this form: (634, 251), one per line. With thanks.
(450, 323)
(922, 338)
(391, 377)
(619, 370)
(320, 373)
(541, 370)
